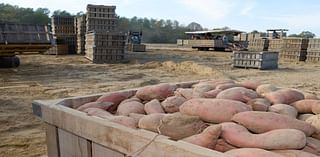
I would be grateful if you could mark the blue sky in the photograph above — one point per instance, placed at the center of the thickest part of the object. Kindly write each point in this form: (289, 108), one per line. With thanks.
(246, 15)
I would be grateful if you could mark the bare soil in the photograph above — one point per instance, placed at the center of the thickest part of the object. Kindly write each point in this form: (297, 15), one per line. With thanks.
(50, 77)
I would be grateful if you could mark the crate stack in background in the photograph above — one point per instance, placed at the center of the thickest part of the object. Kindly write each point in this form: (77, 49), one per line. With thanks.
(294, 49)
(313, 52)
(101, 18)
(80, 28)
(64, 32)
(259, 44)
(103, 43)
(105, 47)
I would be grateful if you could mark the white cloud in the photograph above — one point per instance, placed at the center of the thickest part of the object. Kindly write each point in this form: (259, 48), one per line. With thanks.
(247, 8)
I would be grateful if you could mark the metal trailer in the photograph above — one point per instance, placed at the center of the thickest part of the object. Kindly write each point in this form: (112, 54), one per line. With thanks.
(19, 38)
(216, 39)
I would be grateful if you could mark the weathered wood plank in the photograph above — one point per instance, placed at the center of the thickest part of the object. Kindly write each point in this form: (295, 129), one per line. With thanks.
(52, 140)
(118, 137)
(101, 151)
(73, 146)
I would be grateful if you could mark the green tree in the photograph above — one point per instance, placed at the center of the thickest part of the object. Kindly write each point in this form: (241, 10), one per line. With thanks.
(61, 13)
(195, 26)
(303, 34)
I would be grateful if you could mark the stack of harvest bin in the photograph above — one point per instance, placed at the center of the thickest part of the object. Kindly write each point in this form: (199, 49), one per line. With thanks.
(103, 44)
(80, 26)
(64, 31)
(313, 52)
(294, 49)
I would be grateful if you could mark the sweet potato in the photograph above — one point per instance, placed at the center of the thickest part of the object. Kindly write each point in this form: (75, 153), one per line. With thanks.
(307, 106)
(238, 93)
(98, 113)
(101, 105)
(266, 88)
(284, 96)
(184, 92)
(239, 136)
(315, 122)
(213, 110)
(115, 98)
(212, 93)
(304, 117)
(172, 104)
(153, 106)
(259, 104)
(136, 116)
(131, 99)
(294, 153)
(208, 138)
(160, 92)
(124, 120)
(225, 86)
(250, 84)
(203, 87)
(151, 122)
(284, 109)
(313, 146)
(125, 109)
(252, 152)
(179, 126)
(316, 108)
(223, 146)
(260, 122)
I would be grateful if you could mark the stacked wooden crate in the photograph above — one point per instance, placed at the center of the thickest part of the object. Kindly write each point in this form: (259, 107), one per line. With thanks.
(258, 45)
(313, 52)
(80, 26)
(275, 45)
(294, 49)
(105, 47)
(100, 18)
(64, 31)
(103, 44)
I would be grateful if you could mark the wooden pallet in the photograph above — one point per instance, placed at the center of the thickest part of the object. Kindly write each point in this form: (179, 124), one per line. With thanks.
(73, 133)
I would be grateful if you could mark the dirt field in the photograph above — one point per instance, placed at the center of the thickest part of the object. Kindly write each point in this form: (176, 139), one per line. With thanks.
(51, 77)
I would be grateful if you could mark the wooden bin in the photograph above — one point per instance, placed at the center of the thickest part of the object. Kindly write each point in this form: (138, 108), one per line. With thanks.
(260, 60)
(73, 133)
(258, 45)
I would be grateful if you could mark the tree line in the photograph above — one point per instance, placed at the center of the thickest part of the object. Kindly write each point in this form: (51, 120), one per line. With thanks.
(153, 30)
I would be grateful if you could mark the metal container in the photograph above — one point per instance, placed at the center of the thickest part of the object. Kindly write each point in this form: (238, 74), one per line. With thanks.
(259, 60)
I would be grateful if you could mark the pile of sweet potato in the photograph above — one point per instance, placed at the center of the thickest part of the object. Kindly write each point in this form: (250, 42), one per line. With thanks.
(242, 119)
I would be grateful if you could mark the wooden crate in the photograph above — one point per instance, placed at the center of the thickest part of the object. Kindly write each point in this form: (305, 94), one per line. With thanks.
(73, 133)
(295, 43)
(260, 60)
(63, 25)
(314, 44)
(275, 45)
(313, 55)
(101, 18)
(105, 47)
(70, 40)
(294, 55)
(258, 45)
